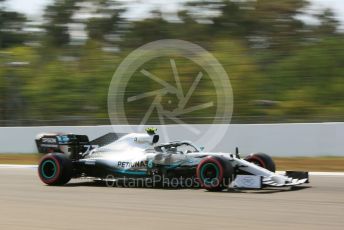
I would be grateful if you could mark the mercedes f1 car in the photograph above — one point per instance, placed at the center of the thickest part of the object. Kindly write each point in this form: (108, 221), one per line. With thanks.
(140, 156)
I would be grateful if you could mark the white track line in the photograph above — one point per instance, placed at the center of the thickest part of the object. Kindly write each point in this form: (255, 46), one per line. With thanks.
(11, 166)
(320, 173)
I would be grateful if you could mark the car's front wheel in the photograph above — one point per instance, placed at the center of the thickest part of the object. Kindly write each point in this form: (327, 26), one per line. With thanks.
(263, 160)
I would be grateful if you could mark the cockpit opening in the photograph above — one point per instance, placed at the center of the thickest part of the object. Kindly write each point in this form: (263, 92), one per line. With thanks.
(176, 148)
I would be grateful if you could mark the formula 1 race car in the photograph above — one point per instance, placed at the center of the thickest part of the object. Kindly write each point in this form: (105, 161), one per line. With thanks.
(139, 156)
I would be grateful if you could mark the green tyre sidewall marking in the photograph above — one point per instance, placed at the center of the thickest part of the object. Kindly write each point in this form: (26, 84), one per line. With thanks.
(205, 180)
(42, 169)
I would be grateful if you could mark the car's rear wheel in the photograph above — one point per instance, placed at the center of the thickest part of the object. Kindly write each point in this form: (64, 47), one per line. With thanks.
(214, 173)
(262, 160)
(55, 169)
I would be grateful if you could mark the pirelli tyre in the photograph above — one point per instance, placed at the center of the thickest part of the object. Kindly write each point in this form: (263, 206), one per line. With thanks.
(214, 173)
(263, 160)
(55, 169)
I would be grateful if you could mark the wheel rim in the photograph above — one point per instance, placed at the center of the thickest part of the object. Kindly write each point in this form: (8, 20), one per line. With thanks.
(48, 169)
(209, 174)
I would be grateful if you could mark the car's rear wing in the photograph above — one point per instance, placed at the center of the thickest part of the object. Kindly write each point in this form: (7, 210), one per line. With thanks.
(72, 144)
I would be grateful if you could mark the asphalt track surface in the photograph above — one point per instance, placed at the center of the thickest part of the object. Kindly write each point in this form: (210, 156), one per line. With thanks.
(25, 203)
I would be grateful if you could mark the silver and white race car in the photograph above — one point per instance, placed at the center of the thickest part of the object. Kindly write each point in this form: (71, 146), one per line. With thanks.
(139, 156)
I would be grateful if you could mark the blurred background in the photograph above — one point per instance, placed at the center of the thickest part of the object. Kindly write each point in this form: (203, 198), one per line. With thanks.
(285, 58)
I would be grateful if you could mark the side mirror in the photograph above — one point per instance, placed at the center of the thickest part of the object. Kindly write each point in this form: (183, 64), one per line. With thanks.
(201, 148)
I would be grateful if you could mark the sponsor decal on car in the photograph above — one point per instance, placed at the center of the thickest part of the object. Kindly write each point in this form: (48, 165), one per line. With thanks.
(48, 140)
(136, 164)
